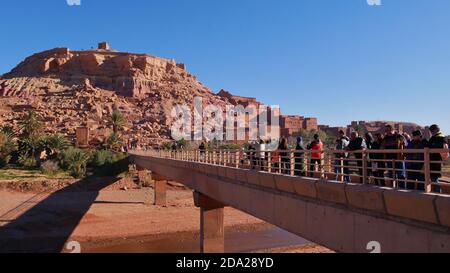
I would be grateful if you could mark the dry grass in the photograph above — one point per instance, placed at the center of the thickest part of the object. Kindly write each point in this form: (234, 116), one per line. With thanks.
(21, 174)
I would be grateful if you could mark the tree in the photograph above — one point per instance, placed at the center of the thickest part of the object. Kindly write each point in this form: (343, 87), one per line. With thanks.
(7, 146)
(31, 125)
(117, 121)
(328, 139)
(181, 144)
(75, 161)
(54, 144)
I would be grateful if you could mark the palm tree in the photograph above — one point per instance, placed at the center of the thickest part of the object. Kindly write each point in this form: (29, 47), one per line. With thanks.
(117, 121)
(7, 146)
(54, 144)
(31, 125)
(75, 160)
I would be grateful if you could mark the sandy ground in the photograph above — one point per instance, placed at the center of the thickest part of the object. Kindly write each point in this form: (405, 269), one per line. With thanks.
(119, 221)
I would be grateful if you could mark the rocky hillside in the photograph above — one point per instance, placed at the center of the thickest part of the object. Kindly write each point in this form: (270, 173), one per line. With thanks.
(82, 88)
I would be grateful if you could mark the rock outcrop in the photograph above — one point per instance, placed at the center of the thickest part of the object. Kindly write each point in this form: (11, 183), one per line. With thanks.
(81, 88)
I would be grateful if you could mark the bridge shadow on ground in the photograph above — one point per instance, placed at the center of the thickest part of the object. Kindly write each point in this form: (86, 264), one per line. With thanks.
(48, 224)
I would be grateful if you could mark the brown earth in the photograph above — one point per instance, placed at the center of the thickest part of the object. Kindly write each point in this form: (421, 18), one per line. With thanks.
(122, 221)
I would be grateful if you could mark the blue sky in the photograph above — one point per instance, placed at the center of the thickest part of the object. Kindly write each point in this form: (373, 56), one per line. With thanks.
(338, 60)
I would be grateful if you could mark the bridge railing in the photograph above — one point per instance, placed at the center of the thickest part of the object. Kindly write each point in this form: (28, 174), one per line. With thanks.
(418, 169)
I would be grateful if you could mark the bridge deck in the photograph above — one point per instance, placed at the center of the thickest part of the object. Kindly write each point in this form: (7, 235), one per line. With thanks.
(345, 217)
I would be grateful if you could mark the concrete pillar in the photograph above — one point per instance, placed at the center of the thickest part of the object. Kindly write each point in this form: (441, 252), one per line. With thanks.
(160, 190)
(211, 224)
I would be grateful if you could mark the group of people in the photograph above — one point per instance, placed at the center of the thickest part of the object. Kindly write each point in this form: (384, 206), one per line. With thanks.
(404, 166)
(386, 161)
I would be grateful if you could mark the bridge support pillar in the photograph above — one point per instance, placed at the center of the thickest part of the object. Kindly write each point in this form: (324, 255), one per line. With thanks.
(211, 224)
(160, 190)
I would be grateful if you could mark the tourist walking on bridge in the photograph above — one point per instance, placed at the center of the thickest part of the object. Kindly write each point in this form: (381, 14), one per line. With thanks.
(299, 156)
(437, 141)
(391, 142)
(368, 138)
(340, 162)
(202, 149)
(316, 146)
(378, 164)
(414, 169)
(252, 155)
(260, 153)
(357, 143)
(284, 155)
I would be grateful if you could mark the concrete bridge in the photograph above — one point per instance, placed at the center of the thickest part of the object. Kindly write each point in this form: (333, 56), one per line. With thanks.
(344, 217)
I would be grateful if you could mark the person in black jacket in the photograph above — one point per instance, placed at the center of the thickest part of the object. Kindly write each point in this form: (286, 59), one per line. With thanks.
(377, 163)
(415, 168)
(299, 157)
(202, 149)
(368, 138)
(437, 141)
(357, 143)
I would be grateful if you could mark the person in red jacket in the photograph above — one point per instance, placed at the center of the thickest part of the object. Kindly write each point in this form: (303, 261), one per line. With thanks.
(316, 146)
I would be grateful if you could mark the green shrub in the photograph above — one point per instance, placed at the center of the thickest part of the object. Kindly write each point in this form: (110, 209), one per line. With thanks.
(49, 167)
(114, 142)
(119, 165)
(27, 161)
(74, 161)
(4, 160)
(7, 146)
(101, 158)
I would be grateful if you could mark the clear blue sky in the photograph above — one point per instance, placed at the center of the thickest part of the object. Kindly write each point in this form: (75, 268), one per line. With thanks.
(338, 60)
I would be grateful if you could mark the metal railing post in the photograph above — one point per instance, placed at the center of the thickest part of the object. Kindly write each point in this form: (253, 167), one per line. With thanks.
(269, 162)
(364, 166)
(292, 163)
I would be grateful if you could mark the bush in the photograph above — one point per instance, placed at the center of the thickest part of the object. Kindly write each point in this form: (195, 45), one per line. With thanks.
(119, 165)
(27, 161)
(114, 142)
(7, 146)
(74, 161)
(101, 158)
(49, 167)
(4, 160)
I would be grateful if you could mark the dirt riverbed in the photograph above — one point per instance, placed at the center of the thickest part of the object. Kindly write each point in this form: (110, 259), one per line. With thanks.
(123, 221)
